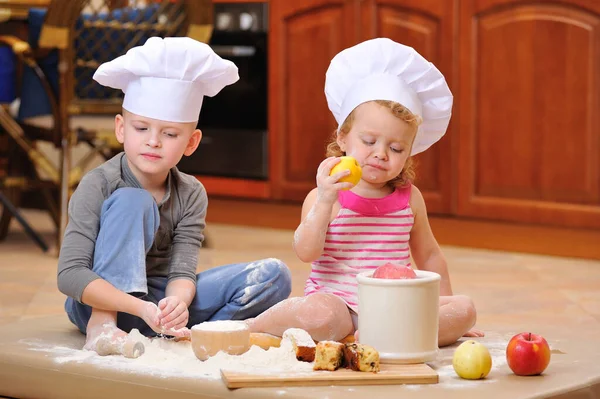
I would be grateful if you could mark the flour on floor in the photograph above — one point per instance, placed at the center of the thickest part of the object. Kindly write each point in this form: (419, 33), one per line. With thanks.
(165, 358)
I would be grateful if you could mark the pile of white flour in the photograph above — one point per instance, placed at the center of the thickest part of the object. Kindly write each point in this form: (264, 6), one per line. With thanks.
(166, 358)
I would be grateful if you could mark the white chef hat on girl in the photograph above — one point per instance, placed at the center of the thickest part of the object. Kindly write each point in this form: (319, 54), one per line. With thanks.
(167, 79)
(381, 69)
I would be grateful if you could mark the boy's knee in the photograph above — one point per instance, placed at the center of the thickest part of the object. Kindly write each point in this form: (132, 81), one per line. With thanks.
(280, 274)
(133, 198)
(273, 276)
(130, 203)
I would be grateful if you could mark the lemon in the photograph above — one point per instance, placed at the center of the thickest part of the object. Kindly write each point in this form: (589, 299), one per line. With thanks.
(351, 164)
(472, 360)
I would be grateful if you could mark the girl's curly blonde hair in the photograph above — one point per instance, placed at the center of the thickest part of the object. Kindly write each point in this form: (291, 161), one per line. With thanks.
(407, 175)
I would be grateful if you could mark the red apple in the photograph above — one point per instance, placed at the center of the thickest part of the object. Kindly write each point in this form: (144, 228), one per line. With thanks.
(527, 354)
(391, 271)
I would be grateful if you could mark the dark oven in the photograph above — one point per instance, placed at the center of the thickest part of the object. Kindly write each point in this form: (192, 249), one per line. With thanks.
(234, 122)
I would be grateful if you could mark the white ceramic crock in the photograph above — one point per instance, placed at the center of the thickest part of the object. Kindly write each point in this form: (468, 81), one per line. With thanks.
(400, 317)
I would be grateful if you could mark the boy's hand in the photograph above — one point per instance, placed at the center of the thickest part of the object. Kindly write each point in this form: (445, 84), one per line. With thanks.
(149, 313)
(173, 316)
(328, 186)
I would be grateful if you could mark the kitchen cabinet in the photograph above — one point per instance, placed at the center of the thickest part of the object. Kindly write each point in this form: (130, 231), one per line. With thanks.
(524, 141)
(523, 144)
(428, 26)
(529, 122)
(305, 35)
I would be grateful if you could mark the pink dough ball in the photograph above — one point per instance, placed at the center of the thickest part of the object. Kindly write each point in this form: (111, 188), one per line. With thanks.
(391, 271)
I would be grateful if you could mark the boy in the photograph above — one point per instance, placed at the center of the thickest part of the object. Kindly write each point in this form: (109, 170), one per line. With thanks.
(129, 255)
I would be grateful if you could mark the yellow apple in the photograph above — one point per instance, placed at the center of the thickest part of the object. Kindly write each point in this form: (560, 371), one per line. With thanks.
(350, 163)
(472, 360)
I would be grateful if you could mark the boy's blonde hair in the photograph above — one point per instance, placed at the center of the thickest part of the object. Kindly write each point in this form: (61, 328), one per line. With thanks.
(407, 175)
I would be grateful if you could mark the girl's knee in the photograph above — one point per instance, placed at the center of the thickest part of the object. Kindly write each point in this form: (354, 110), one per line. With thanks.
(458, 317)
(326, 317)
(464, 310)
(467, 305)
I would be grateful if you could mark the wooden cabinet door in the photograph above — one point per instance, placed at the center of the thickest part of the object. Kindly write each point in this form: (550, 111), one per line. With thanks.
(529, 147)
(304, 36)
(428, 26)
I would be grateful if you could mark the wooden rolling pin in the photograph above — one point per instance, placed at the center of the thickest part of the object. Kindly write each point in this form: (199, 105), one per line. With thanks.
(126, 347)
(267, 341)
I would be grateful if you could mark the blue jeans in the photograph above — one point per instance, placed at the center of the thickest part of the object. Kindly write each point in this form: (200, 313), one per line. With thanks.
(128, 221)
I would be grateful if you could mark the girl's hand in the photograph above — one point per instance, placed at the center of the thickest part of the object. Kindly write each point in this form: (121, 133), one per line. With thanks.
(174, 316)
(328, 186)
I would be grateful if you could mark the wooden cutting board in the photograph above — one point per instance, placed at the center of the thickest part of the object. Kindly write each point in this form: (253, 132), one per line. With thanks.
(390, 374)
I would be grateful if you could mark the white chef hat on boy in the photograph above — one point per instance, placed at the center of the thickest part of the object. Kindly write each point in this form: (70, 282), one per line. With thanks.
(381, 69)
(167, 79)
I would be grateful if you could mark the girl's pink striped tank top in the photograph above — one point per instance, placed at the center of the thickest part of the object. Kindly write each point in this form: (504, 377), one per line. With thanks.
(365, 234)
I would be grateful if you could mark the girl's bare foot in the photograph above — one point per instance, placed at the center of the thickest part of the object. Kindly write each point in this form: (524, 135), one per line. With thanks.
(474, 333)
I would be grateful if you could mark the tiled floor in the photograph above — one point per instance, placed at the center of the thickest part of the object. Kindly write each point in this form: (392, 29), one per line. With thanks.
(512, 291)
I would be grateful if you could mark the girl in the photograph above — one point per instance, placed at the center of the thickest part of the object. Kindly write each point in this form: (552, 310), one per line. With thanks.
(390, 104)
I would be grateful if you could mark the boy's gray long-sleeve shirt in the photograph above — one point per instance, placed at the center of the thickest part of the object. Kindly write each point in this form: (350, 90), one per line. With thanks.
(174, 253)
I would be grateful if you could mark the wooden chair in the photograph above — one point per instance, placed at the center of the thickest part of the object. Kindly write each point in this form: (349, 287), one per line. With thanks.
(82, 34)
(15, 172)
